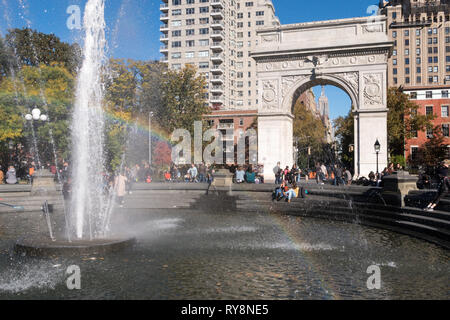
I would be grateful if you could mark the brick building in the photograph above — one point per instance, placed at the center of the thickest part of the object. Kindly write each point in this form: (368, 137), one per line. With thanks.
(431, 101)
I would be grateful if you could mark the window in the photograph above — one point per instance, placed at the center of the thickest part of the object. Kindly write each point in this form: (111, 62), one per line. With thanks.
(394, 62)
(259, 13)
(190, 54)
(406, 61)
(406, 33)
(190, 32)
(176, 33)
(394, 70)
(203, 42)
(176, 55)
(413, 95)
(204, 20)
(190, 43)
(204, 30)
(241, 121)
(394, 34)
(429, 110)
(418, 70)
(176, 23)
(444, 111)
(445, 131)
(203, 65)
(190, 10)
(430, 133)
(394, 52)
(176, 12)
(406, 70)
(444, 93)
(204, 9)
(414, 151)
(203, 53)
(429, 94)
(406, 52)
(176, 44)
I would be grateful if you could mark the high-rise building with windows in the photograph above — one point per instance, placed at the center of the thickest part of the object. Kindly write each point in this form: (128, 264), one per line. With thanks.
(217, 36)
(420, 30)
(420, 63)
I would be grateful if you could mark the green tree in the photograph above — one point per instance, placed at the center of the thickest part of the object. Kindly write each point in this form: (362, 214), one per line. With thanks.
(6, 60)
(403, 120)
(309, 132)
(433, 151)
(33, 48)
(50, 88)
(344, 134)
(183, 100)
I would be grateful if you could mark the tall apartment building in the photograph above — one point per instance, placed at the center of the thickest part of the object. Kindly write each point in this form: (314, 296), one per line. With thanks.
(217, 36)
(420, 30)
(420, 63)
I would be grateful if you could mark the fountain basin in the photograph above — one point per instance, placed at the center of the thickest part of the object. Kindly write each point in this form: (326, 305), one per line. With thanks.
(48, 248)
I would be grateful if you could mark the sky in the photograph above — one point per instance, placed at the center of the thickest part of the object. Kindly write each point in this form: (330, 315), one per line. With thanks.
(133, 26)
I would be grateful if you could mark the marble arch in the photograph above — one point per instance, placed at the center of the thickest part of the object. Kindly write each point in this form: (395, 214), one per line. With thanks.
(351, 54)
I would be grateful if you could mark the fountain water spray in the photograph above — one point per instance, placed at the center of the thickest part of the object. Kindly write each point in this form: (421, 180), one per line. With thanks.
(88, 202)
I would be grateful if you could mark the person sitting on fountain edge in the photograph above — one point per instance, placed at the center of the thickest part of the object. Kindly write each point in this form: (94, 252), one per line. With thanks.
(444, 185)
(279, 192)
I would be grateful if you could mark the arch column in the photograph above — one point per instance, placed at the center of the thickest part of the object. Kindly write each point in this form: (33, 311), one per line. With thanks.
(275, 142)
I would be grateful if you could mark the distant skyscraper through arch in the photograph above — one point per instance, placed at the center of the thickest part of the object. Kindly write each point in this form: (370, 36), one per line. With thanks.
(323, 105)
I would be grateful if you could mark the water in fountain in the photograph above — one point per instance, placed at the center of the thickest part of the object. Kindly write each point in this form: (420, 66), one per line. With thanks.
(88, 202)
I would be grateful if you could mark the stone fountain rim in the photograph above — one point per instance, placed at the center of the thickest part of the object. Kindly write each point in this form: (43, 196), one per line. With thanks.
(48, 248)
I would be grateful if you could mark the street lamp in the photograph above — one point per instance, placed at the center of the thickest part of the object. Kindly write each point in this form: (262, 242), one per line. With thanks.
(377, 148)
(36, 115)
(150, 116)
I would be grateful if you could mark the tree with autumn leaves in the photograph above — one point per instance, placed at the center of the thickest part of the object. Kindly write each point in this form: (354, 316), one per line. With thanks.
(42, 73)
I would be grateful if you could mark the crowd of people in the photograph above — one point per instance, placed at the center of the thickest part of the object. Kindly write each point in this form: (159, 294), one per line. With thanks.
(335, 174)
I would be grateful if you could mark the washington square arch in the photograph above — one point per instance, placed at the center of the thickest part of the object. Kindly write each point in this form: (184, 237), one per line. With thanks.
(351, 54)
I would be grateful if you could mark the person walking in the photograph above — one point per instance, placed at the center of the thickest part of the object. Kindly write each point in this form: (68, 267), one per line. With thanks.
(120, 183)
(348, 176)
(2, 175)
(193, 172)
(11, 176)
(338, 175)
(277, 171)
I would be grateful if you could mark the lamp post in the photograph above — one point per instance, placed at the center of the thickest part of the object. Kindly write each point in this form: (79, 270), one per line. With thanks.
(36, 115)
(150, 115)
(377, 148)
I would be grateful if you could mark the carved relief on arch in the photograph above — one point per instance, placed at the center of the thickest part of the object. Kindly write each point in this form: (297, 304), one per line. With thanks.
(270, 100)
(373, 89)
(288, 82)
(352, 79)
